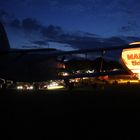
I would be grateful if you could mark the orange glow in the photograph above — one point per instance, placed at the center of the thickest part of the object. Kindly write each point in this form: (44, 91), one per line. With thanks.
(60, 65)
(134, 43)
(131, 59)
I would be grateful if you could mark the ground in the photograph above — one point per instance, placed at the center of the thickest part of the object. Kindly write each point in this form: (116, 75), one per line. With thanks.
(109, 112)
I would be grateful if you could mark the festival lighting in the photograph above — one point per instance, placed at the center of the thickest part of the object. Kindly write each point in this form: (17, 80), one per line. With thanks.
(65, 74)
(24, 86)
(90, 71)
(54, 85)
(20, 87)
(30, 87)
(131, 59)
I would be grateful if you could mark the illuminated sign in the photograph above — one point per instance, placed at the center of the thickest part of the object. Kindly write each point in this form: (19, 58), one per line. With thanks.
(131, 59)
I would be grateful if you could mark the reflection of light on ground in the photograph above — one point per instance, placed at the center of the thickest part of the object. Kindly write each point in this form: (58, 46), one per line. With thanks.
(55, 87)
(52, 84)
(125, 81)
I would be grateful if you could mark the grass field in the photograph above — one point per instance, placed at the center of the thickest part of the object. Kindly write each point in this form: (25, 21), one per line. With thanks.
(110, 112)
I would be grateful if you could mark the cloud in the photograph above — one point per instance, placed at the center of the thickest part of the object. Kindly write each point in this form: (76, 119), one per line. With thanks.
(40, 42)
(30, 46)
(97, 42)
(27, 24)
(3, 13)
(125, 28)
(16, 24)
(131, 27)
(30, 24)
(116, 40)
(51, 31)
(76, 40)
(3, 16)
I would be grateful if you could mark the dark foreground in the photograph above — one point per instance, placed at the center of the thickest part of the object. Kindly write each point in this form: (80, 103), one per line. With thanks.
(109, 113)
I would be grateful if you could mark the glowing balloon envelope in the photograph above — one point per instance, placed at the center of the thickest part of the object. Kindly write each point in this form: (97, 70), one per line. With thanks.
(131, 59)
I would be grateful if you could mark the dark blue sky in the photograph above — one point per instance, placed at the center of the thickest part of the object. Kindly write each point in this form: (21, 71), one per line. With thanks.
(70, 24)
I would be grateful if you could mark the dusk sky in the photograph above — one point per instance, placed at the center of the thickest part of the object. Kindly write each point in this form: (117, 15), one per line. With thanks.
(70, 24)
